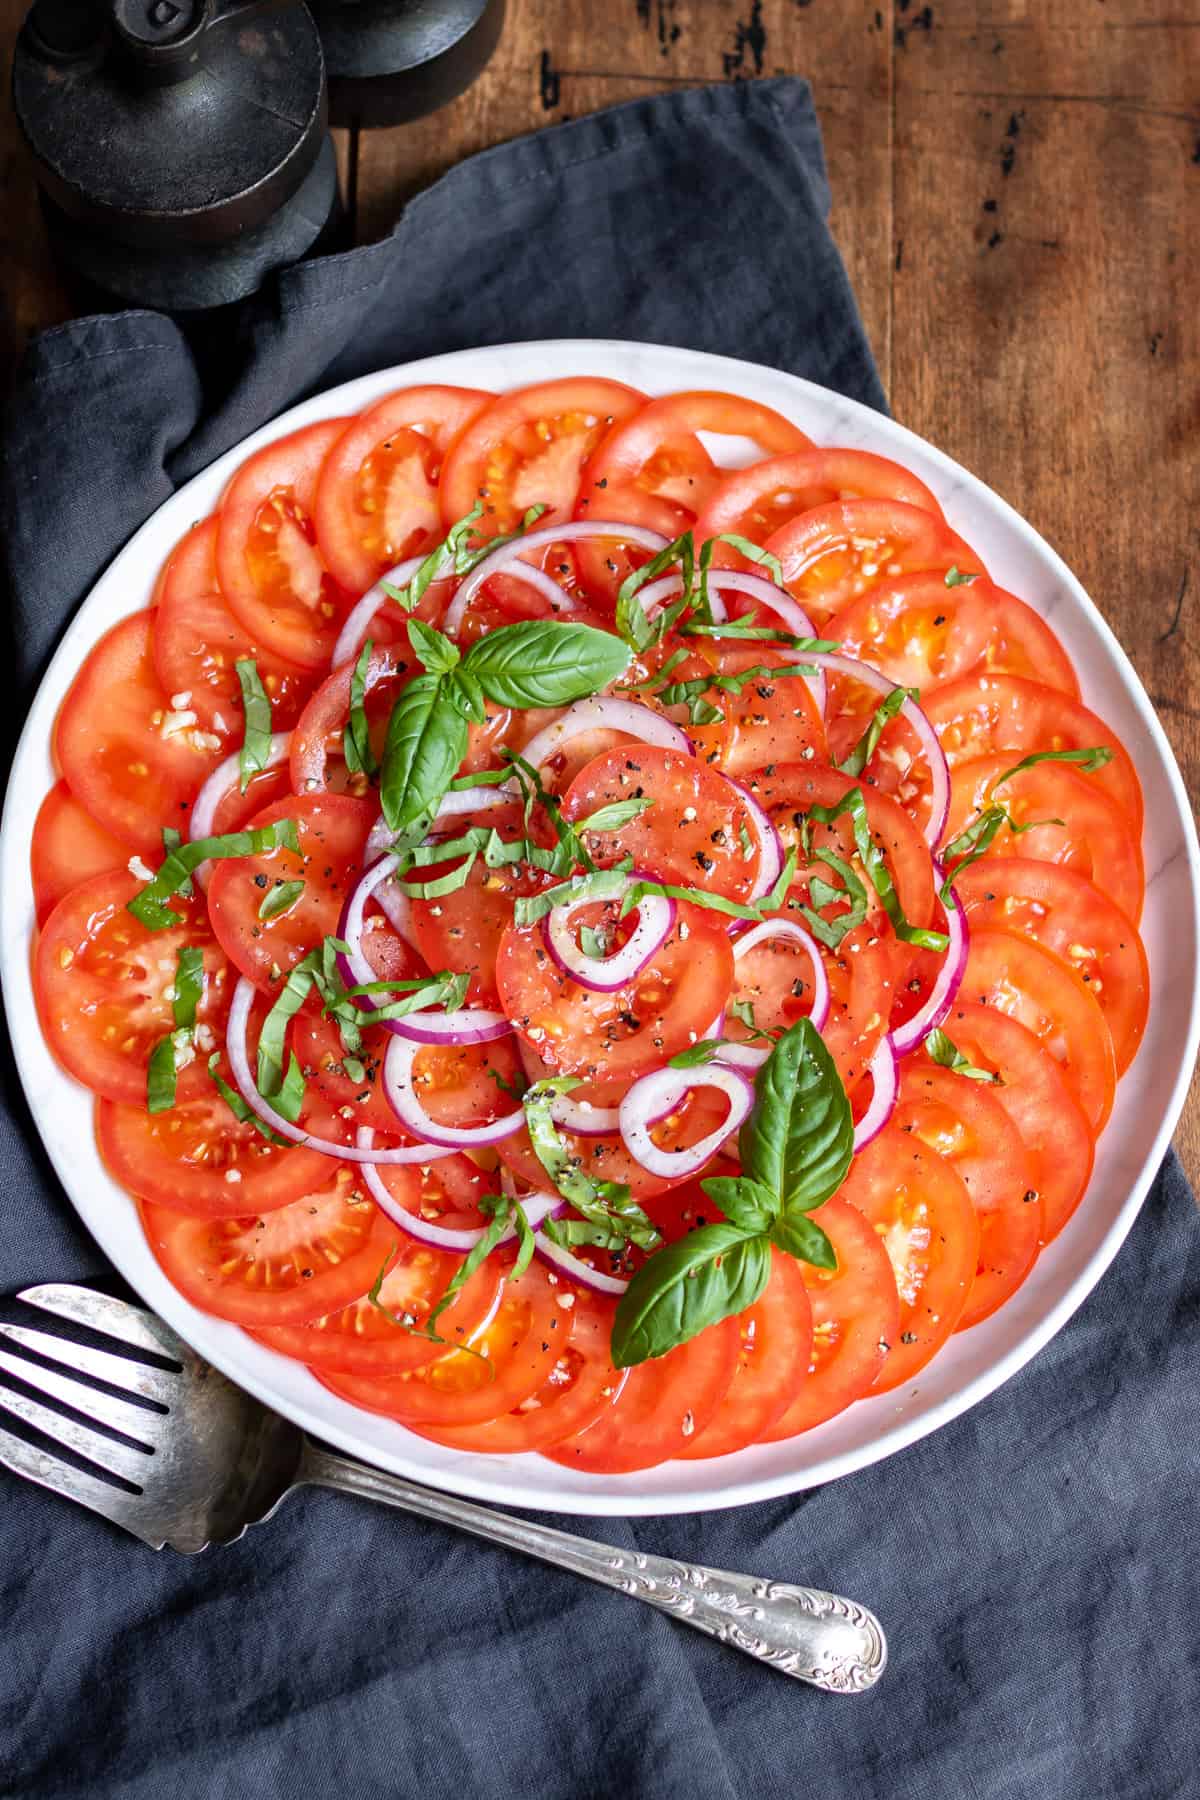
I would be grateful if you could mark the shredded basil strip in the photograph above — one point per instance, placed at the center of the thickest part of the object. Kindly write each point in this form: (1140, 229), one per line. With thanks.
(171, 840)
(697, 1054)
(242, 1112)
(638, 630)
(955, 579)
(716, 902)
(976, 839)
(1089, 761)
(946, 1053)
(179, 864)
(453, 556)
(189, 986)
(161, 1076)
(607, 1204)
(868, 743)
(853, 805)
(162, 1073)
(285, 1090)
(604, 884)
(357, 753)
(279, 899)
(256, 742)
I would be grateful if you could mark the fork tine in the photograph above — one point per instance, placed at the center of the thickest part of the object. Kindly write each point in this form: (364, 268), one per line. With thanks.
(133, 1377)
(40, 1466)
(103, 1409)
(115, 1318)
(105, 1452)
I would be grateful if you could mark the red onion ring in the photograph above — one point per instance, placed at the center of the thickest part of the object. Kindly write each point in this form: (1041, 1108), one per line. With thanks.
(353, 634)
(536, 1207)
(401, 1095)
(604, 975)
(225, 776)
(581, 1117)
(771, 858)
(239, 1062)
(939, 768)
(653, 1096)
(884, 1083)
(604, 713)
(509, 557)
(576, 1269)
(914, 1031)
(753, 1056)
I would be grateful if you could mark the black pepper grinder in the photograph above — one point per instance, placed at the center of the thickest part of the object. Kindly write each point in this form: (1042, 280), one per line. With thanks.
(180, 145)
(391, 61)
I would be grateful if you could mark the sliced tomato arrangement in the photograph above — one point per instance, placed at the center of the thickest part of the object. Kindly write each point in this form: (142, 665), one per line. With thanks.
(462, 1063)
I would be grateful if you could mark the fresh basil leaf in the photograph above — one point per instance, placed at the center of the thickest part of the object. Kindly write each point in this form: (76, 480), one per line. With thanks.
(256, 741)
(708, 1275)
(541, 662)
(799, 1137)
(161, 1076)
(279, 899)
(614, 816)
(803, 1238)
(426, 741)
(946, 1053)
(148, 904)
(357, 753)
(868, 743)
(955, 579)
(744, 1202)
(465, 694)
(432, 647)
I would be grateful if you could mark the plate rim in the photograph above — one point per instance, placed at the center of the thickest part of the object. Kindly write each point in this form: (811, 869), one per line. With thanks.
(481, 1477)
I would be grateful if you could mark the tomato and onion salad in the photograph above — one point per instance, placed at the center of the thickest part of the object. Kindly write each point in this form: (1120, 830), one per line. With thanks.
(593, 953)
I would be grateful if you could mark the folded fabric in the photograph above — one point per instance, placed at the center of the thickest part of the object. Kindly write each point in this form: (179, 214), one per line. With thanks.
(1034, 1562)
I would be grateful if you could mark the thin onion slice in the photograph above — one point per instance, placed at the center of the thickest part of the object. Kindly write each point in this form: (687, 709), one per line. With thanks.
(576, 1269)
(536, 1207)
(771, 858)
(402, 1097)
(884, 1082)
(655, 1095)
(604, 713)
(914, 1031)
(581, 1117)
(510, 557)
(939, 768)
(753, 1056)
(353, 634)
(225, 776)
(605, 974)
(239, 1062)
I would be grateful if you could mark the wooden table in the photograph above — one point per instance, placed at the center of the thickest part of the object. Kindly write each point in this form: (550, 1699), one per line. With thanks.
(1017, 195)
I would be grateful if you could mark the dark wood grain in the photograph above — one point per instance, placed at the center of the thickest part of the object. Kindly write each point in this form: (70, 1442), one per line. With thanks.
(1017, 194)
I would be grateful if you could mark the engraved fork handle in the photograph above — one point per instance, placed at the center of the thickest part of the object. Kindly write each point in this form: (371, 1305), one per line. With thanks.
(820, 1638)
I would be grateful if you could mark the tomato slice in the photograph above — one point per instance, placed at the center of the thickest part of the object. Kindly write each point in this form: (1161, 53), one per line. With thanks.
(760, 500)
(198, 643)
(923, 1214)
(963, 1122)
(68, 847)
(377, 500)
(528, 449)
(104, 985)
(388, 1339)
(657, 457)
(579, 1389)
(198, 1159)
(618, 1035)
(855, 1317)
(920, 633)
(512, 1358)
(132, 761)
(276, 1268)
(834, 553)
(269, 564)
(664, 1405)
(1020, 978)
(693, 834)
(1065, 913)
(775, 1351)
(1037, 1100)
(982, 714)
(317, 756)
(1094, 837)
(332, 830)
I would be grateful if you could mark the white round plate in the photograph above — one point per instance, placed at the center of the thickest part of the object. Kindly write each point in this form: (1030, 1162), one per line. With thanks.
(971, 1365)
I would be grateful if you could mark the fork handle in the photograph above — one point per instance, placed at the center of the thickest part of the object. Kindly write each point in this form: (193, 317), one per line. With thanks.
(820, 1638)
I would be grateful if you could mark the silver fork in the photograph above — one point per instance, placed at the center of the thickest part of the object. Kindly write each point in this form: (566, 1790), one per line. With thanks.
(206, 1461)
